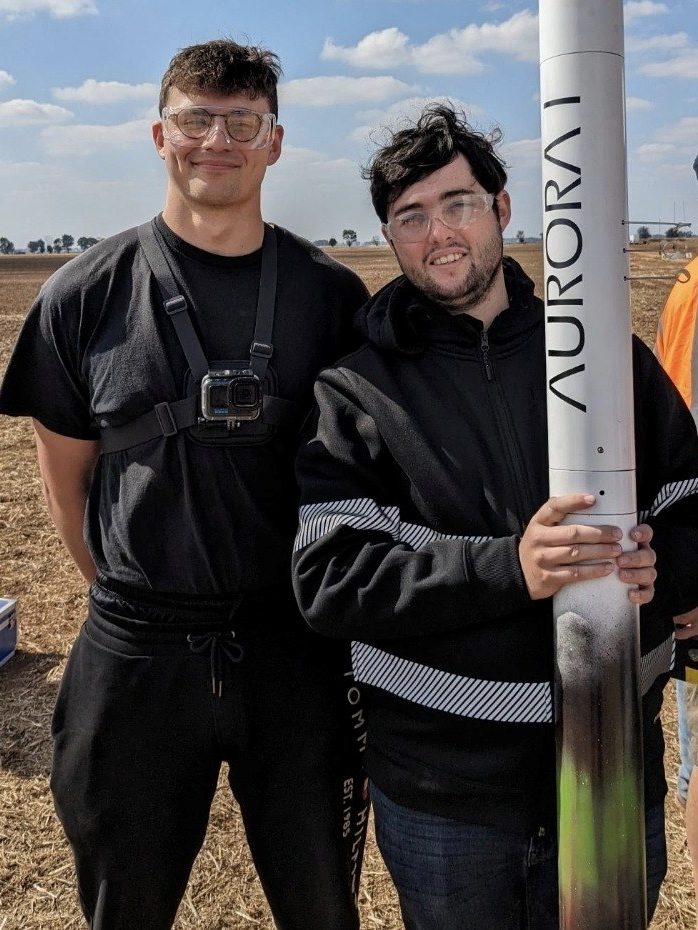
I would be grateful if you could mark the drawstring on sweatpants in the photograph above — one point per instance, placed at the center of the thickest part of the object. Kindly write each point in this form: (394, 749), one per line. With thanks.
(221, 646)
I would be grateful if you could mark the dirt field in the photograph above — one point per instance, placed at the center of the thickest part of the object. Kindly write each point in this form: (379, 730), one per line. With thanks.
(36, 877)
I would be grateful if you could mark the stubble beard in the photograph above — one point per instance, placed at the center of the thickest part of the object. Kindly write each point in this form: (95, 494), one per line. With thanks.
(203, 195)
(464, 296)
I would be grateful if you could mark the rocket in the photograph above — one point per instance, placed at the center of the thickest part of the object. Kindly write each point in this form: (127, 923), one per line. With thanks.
(591, 449)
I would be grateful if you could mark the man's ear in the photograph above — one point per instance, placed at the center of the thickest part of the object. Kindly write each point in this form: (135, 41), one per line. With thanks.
(275, 147)
(158, 138)
(386, 236)
(503, 209)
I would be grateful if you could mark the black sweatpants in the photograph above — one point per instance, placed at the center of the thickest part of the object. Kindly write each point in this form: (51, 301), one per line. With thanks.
(150, 706)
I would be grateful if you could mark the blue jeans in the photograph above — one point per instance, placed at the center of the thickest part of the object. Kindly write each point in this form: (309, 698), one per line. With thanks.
(458, 876)
(686, 766)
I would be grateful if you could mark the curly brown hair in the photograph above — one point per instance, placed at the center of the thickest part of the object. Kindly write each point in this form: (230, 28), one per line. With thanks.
(224, 67)
(440, 134)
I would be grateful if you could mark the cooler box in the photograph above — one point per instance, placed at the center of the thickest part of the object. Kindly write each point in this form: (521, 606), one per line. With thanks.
(8, 628)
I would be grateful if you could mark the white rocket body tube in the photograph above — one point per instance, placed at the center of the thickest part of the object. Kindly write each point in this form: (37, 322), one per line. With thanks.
(591, 449)
(584, 203)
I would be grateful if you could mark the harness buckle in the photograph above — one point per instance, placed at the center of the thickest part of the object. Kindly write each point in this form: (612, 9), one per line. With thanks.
(175, 305)
(261, 350)
(166, 419)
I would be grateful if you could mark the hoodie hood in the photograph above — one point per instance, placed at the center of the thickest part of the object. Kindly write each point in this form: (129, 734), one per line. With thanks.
(399, 318)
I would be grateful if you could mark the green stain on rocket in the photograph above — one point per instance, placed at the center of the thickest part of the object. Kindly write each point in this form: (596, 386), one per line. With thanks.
(588, 855)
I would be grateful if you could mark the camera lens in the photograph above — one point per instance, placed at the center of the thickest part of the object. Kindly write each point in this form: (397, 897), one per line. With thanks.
(245, 393)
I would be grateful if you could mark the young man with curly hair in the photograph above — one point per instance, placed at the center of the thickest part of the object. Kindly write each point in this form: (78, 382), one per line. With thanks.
(428, 538)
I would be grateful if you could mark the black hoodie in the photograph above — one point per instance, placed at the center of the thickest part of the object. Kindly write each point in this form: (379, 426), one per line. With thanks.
(428, 459)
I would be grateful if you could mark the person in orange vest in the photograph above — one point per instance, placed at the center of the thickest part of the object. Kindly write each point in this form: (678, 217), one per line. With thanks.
(677, 350)
(677, 335)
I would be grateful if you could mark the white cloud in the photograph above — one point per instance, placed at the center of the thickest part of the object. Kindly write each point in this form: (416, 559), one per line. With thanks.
(410, 109)
(6, 79)
(151, 113)
(335, 91)
(49, 199)
(99, 92)
(655, 151)
(403, 112)
(17, 169)
(637, 44)
(387, 48)
(30, 113)
(683, 65)
(685, 132)
(638, 9)
(677, 143)
(458, 51)
(85, 139)
(451, 52)
(678, 172)
(295, 156)
(318, 196)
(60, 9)
(365, 134)
(638, 103)
(524, 153)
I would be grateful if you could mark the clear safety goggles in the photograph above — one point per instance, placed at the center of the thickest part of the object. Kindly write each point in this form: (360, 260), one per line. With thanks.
(250, 129)
(458, 213)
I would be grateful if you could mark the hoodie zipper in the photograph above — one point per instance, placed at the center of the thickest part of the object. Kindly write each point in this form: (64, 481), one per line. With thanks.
(485, 353)
(506, 430)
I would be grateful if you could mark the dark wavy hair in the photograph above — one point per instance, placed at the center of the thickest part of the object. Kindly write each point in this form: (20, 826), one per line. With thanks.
(440, 134)
(224, 67)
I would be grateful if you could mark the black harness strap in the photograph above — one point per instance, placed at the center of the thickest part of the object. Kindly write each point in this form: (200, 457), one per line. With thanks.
(168, 418)
(174, 303)
(163, 420)
(261, 349)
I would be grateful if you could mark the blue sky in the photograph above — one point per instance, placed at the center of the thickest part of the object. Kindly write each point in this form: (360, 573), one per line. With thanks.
(79, 80)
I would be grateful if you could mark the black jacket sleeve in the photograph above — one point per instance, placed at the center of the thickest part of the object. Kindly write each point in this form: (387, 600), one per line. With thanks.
(667, 485)
(359, 570)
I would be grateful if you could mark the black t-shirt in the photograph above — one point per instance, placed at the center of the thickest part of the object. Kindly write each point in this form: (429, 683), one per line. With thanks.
(180, 515)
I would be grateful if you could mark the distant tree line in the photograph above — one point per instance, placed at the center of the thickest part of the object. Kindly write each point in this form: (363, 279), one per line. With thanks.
(673, 232)
(60, 244)
(350, 238)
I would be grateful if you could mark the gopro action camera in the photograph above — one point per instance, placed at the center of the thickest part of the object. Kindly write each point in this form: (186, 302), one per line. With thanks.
(230, 396)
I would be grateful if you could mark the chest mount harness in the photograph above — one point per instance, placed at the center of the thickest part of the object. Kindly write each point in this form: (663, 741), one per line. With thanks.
(227, 395)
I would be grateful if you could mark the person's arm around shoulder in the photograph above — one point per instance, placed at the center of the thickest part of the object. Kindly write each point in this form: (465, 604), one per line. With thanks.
(66, 466)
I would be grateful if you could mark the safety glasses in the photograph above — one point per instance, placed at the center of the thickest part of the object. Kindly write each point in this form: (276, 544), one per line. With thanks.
(248, 128)
(458, 213)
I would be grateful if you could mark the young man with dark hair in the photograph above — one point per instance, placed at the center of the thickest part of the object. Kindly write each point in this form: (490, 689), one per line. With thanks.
(167, 371)
(427, 537)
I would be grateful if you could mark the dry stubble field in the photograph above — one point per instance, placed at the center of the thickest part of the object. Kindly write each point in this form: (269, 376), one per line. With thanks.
(36, 876)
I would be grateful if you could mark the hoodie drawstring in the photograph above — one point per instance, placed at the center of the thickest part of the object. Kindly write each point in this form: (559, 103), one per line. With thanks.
(221, 646)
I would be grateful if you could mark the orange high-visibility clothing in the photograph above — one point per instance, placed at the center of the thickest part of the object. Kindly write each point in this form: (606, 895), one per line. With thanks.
(677, 336)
